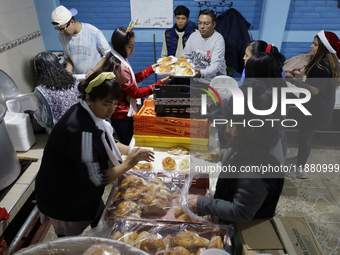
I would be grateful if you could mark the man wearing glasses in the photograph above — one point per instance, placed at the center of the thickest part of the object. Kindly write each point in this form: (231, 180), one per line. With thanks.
(85, 46)
(205, 48)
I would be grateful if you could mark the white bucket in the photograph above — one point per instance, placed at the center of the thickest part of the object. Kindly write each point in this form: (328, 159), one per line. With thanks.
(215, 252)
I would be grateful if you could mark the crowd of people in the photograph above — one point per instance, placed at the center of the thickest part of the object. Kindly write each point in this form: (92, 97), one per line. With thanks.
(81, 156)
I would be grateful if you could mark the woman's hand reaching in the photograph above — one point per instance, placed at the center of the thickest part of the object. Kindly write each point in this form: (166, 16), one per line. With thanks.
(166, 80)
(139, 154)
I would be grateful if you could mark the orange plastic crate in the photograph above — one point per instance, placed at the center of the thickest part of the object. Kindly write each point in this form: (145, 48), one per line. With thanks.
(147, 123)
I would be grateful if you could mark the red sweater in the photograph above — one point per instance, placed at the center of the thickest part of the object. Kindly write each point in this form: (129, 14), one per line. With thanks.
(131, 89)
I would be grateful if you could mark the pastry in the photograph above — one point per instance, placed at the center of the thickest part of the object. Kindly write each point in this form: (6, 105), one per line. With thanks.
(184, 164)
(135, 193)
(129, 237)
(185, 64)
(169, 241)
(184, 217)
(117, 235)
(179, 250)
(214, 156)
(189, 240)
(181, 59)
(142, 166)
(187, 72)
(128, 209)
(132, 181)
(152, 244)
(178, 151)
(165, 60)
(216, 242)
(165, 69)
(141, 237)
(169, 163)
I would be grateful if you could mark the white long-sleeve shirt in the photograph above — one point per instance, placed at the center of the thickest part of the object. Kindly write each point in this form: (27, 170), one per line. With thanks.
(207, 54)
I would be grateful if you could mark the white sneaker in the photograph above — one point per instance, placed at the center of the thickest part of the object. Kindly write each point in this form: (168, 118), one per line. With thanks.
(291, 161)
(301, 173)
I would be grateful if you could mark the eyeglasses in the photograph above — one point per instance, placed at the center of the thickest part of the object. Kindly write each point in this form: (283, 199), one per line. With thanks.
(63, 28)
(204, 23)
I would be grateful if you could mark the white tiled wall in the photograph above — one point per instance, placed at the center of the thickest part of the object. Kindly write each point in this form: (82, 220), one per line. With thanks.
(18, 18)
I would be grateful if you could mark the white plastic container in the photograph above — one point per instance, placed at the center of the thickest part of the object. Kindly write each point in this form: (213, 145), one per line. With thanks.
(215, 252)
(21, 103)
(9, 162)
(20, 130)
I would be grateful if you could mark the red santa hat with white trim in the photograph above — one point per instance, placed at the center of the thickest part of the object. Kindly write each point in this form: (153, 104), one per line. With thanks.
(331, 42)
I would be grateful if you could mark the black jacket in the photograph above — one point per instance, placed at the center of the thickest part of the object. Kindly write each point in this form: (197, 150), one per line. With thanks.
(171, 32)
(71, 178)
(234, 29)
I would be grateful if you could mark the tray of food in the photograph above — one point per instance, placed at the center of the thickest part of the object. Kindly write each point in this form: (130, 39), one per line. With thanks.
(164, 238)
(142, 195)
(176, 67)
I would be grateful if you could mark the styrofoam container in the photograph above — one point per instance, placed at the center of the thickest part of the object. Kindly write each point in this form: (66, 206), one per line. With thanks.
(20, 130)
(21, 103)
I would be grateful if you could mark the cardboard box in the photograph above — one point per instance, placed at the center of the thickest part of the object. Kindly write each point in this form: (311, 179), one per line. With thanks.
(276, 236)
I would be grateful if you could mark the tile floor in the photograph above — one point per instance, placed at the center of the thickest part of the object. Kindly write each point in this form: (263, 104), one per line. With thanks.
(316, 198)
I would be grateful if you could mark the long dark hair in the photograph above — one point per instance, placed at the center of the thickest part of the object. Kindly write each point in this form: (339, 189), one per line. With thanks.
(50, 73)
(119, 39)
(261, 46)
(323, 54)
(109, 88)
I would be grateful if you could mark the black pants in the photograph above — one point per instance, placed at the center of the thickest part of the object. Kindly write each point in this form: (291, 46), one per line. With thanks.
(124, 129)
(305, 137)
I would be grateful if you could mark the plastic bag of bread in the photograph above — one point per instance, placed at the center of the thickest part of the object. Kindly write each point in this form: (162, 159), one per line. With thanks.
(165, 238)
(142, 195)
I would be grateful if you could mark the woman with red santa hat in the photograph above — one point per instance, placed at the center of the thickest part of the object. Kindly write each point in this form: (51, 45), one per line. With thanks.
(322, 80)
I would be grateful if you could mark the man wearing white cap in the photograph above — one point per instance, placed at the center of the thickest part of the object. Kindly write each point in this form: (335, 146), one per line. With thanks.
(85, 46)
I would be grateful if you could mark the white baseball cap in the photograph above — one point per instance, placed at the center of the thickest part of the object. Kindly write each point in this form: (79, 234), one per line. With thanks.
(61, 15)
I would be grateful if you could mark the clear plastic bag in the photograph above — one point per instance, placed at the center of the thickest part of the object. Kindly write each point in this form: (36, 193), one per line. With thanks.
(160, 238)
(150, 195)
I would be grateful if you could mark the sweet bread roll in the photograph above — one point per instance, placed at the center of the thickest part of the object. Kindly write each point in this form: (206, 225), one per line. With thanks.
(185, 64)
(134, 193)
(169, 241)
(179, 250)
(212, 156)
(165, 60)
(189, 240)
(142, 166)
(184, 164)
(141, 237)
(129, 237)
(178, 151)
(181, 59)
(188, 72)
(152, 244)
(178, 212)
(132, 181)
(165, 69)
(183, 217)
(154, 181)
(117, 235)
(128, 209)
(169, 163)
(216, 242)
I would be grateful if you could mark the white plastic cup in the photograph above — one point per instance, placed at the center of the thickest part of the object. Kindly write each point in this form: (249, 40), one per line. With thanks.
(215, 252)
